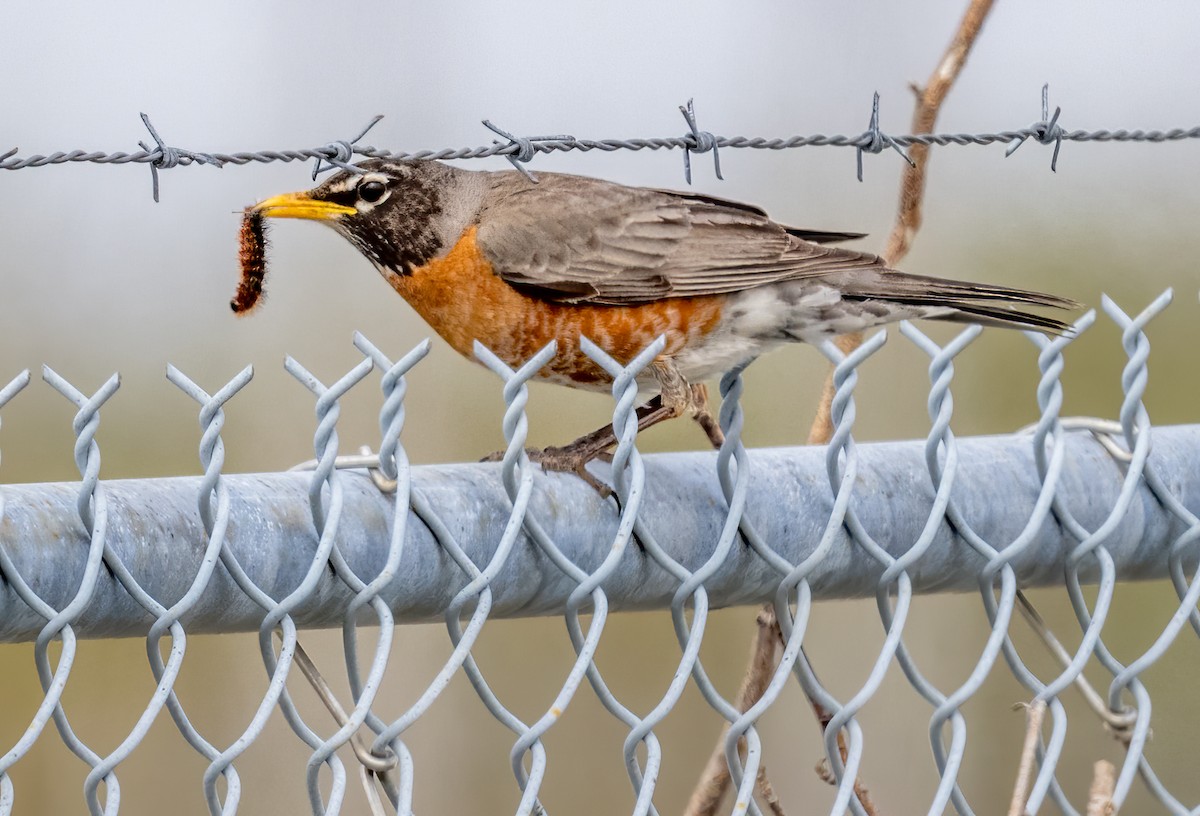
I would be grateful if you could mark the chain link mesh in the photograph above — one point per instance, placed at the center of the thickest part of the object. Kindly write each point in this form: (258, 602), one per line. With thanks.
(367, 543)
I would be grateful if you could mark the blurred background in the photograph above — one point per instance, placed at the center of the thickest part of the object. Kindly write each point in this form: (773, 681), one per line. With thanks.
(98, 278)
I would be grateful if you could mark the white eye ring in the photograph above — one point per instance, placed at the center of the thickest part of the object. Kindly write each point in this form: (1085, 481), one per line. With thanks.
(371, 190)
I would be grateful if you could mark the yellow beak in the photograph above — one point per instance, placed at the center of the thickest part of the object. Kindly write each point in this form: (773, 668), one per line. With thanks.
(301, 205)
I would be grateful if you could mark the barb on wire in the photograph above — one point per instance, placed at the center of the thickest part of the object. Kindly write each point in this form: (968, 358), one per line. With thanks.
(519, 149)
(167, 156)
(525, 148)
(1047, 131)
(874, 140)
(341, 153)
(703, 141)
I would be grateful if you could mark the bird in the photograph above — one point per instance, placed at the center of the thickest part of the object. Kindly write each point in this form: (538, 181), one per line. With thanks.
(515, 263)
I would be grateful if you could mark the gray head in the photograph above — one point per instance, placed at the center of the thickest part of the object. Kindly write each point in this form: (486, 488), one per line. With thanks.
(398, 214)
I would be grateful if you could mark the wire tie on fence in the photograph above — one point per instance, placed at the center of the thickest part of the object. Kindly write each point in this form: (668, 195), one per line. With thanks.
(877, 140)
(1047, 131)
(342, 152)
(168, 156)
(702, 142)
(372, 792)
(9, 154)
(1104, 431)
(525, 147)
(373, 762)
(365, 459)
(1120, 722)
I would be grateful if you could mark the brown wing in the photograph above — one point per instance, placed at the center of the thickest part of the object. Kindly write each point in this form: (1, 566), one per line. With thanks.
(580, 240)
(816, 236)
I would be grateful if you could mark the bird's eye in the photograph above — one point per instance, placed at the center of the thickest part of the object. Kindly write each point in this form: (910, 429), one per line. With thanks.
(371, 191)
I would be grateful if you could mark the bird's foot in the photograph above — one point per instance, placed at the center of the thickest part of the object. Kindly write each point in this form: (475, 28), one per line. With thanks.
(568, 459)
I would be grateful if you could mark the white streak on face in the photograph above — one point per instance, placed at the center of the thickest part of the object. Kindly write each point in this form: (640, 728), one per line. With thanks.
(362, 205)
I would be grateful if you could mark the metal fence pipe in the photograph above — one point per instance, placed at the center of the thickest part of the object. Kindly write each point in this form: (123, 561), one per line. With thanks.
(155, 529)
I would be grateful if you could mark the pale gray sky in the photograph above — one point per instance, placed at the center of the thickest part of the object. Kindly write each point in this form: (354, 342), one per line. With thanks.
(99, 278)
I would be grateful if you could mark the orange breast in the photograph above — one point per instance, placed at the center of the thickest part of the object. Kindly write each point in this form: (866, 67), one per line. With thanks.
(463, 300)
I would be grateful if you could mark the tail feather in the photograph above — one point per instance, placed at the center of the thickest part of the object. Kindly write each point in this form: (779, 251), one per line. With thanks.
(966, 302)
(1004, 319)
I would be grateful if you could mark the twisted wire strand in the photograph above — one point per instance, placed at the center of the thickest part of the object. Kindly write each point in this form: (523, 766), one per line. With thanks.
(589, 589)
(477, 590)
(840, 458)
(326, 497)
(92, 506)
(842, 453)
(940, 407)
(517, 477)
(629, 479)
(1129, 702)
(393, 462)
(394, 465)
(999, 561)
(863, 141)
(1135, 423)
(1048, 432)
(9, 574)
(520, 150)
(793, 597)
(216, 525)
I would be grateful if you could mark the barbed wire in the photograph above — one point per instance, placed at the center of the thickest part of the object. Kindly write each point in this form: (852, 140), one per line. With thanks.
(520, 150)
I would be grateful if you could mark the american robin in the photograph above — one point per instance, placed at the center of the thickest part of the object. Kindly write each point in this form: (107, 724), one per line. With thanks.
(496, 257)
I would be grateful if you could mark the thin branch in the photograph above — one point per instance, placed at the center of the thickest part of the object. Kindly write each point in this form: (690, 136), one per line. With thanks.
(715, 779)
(826, 773)
(912, 184)
(764, 657)
(929, 104)
(767, 791)
(1034, 714)
(1104, 781)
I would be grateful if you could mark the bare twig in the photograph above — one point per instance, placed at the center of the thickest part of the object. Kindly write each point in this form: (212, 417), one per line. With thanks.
(929, 103)
(1104, 780)
(715, 779)
(1120, 723)
(764, 657)
(912, 184)
(1034, 714)
(767, 791)
(826, 773)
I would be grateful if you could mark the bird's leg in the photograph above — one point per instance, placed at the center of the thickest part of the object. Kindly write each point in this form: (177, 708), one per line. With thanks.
(574, 457)
(595, 444)
(676, 396)
(684, 396)
(704, 417)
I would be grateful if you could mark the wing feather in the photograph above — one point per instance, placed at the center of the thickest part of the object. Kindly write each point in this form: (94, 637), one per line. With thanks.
(580, 240)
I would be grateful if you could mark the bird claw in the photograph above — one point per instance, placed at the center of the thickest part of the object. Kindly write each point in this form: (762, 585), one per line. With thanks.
(567, 459)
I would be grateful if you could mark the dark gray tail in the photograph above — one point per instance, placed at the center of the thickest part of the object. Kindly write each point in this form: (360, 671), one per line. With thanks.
(979, 303)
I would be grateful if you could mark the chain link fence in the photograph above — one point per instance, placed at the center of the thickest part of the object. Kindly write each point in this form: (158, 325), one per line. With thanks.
(367, 543)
